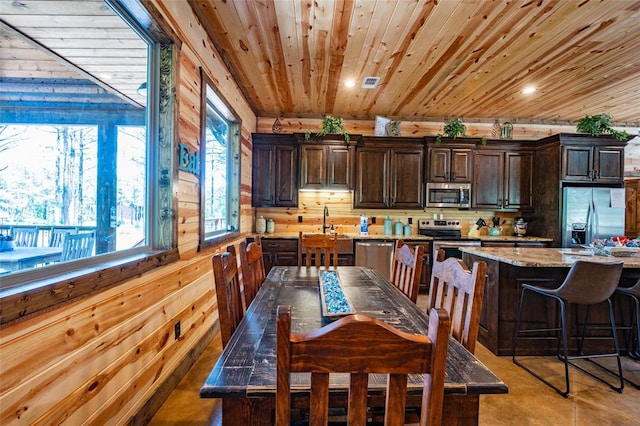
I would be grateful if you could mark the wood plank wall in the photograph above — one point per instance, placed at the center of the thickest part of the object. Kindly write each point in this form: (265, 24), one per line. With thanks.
(100, 359)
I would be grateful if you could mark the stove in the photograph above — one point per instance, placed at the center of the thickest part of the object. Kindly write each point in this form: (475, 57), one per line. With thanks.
(440, 228)
(447, 236)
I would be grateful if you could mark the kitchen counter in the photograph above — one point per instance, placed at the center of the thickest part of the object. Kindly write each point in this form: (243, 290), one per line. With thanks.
(545, 257)
(413, 237)
(510, 267)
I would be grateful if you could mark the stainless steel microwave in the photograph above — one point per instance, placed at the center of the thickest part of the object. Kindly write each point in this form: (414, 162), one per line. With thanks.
(449, 195)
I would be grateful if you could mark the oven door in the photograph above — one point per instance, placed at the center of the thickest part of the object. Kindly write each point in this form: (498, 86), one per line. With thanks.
(451, 247)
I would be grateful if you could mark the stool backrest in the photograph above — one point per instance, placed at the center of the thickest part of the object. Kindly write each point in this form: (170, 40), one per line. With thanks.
(590, 282)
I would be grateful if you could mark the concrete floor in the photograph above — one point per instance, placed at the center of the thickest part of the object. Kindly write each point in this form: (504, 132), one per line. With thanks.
(529, 401)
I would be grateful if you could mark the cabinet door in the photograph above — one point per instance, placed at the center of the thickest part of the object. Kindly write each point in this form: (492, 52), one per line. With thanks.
(263, 182)
(439, 163)
(461, 165)
(371, 178)
(608, 164)
(286, 173)
(313, 166)
(406, 179)
(577, 163)
(518, 182)
(488, 177)
(339, 167)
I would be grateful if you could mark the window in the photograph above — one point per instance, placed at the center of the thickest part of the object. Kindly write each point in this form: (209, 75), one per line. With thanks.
(80, 144)
(219, 167)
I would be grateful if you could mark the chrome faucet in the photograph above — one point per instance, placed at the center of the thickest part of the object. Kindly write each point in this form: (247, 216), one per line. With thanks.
(324, 220)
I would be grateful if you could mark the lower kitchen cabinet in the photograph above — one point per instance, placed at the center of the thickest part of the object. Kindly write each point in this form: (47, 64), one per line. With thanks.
(510, 243)
(279, 252)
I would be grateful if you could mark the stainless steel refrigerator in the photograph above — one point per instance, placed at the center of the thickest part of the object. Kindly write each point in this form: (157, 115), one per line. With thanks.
(589, 213)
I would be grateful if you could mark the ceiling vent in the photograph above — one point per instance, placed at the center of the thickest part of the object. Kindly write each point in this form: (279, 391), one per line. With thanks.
(370, 82)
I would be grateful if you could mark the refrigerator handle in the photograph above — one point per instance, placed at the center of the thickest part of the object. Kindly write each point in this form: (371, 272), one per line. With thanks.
(593, 226)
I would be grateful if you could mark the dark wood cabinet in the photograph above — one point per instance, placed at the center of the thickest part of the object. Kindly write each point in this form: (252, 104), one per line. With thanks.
(511, 243)
(326, 166)
(279, 252)
(592, 163)
(450, 164)
(389, 176)
(274, 171)
(503, 180)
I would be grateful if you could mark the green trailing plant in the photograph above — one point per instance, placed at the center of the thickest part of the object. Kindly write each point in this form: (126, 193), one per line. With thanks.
(599, 124)
(331, 125)
(452, 128)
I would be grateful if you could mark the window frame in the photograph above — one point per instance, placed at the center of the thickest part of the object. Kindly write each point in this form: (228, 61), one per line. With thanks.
(234, 132)
(24, 294)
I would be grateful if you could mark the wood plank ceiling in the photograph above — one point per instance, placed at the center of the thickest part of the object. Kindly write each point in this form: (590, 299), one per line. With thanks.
(57, 50)
(435, 59)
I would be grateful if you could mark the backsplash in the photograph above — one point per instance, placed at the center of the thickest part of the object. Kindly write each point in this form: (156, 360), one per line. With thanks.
(346, 219)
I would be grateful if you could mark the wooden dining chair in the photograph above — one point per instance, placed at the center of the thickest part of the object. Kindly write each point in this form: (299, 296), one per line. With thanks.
(252, 265)
(407, 268)
(227, 282)
(460, 291)
(77, 246)
(56, 237)
(359, 345)
(25, 236)
(320, 246)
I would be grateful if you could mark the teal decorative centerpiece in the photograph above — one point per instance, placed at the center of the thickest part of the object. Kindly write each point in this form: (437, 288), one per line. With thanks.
(334, 301)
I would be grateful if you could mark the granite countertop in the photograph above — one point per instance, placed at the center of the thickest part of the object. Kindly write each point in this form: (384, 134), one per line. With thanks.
(414, 237)
(545, 257)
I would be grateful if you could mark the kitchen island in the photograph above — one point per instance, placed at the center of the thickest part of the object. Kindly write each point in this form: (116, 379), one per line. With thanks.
(509, 268)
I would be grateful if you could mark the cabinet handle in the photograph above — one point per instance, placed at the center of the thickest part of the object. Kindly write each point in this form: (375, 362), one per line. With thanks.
(591, 175)
(506, 202)
(499, 202)
(597, 175)
(453, 176)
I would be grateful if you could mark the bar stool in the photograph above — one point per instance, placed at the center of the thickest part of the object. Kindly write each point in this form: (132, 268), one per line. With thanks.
(587, 283)
(633, 346)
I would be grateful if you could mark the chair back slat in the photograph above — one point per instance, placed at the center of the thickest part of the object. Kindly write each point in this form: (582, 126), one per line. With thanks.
(227, 282)
(56, 238)
(25, 236)
(318, 246)
(406, 269)
(460, 292)
(252, 265)
(360, 345)
(77, 246)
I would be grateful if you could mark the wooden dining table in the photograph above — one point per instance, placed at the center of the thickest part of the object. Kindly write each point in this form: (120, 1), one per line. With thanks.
(28, 257)
(244, 376)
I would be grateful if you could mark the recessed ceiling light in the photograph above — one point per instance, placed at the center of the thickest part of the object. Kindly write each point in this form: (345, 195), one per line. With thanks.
(350, 83)
(104, 76)
(528, 90)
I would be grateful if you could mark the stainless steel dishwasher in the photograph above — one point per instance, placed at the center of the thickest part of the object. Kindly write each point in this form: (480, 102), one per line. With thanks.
(375, 254)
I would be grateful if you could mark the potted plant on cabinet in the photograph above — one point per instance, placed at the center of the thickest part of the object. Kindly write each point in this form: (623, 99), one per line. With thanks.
(452, 128)
(599, 124)
(331, 125)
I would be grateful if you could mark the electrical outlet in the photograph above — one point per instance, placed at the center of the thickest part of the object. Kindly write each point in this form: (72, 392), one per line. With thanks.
(410, 220)
(373, 220)
(299, 219)
(176, 330)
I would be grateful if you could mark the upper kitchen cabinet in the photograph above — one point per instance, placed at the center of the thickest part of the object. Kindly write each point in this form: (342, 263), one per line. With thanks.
(275, 171)
(389, 173)
(589, 159)
(595, 163)
(450, 164)
(327, 162)
(503, 179)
